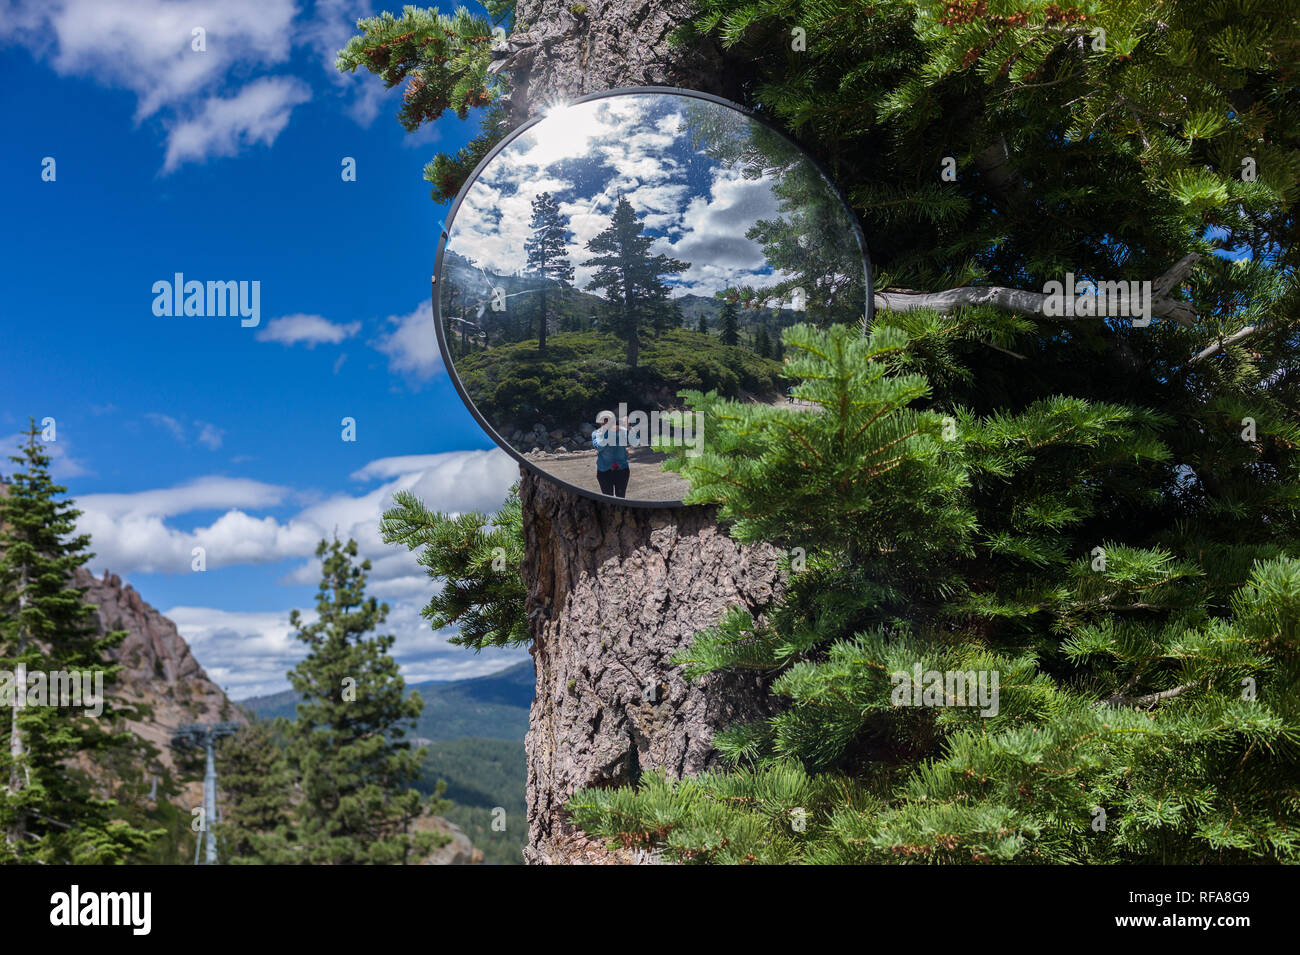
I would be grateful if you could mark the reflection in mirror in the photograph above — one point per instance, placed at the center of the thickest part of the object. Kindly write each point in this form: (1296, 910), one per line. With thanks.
(621, 250)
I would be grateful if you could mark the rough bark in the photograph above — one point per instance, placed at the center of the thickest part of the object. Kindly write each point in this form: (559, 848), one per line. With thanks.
(555, 53)
(614, 591)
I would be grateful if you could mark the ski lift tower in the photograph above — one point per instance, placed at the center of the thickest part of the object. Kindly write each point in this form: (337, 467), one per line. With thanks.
(192, 736)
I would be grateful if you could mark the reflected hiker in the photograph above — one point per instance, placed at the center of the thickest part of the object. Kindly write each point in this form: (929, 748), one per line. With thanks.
(611, 443)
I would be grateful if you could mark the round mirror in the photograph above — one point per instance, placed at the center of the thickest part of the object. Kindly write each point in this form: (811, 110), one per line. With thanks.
(619, 250)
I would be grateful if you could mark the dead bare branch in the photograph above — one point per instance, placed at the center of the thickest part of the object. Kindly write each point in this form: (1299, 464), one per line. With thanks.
(1023, 302)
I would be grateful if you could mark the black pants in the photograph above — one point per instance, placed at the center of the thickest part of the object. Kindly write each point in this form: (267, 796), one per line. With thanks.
(614, 481)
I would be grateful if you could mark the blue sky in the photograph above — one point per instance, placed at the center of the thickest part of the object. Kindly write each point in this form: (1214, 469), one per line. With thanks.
(183, 431)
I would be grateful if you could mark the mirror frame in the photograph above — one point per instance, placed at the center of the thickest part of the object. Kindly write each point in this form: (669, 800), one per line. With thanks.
(444, 351)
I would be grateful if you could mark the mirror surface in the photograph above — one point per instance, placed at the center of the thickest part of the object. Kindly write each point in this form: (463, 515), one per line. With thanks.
(622, 249)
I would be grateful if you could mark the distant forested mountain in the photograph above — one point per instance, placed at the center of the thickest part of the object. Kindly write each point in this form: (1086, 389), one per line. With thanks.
(493, 706)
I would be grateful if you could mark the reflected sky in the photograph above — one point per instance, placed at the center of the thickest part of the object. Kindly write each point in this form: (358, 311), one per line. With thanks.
(636, 146)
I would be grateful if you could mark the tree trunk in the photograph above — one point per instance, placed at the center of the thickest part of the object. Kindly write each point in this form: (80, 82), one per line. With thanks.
(557, 54)
(541, 319)
(614, 591)
(17, 830)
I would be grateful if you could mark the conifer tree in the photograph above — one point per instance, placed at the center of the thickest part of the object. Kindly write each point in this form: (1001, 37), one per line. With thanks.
(669, 315)
(347, 745)
(631, 276)
(703, 326)
(50, 812)
(548, 258)
(256, 788)
(729, 323)
(762, 343)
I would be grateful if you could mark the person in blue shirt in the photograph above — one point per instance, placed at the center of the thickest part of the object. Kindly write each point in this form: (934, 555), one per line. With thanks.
(611, 442)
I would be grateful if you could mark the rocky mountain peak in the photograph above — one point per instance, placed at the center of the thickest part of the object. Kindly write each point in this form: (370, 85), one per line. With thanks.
(159, 671)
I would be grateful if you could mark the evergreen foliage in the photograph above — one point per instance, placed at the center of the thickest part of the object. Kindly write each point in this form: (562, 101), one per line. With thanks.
(482, 777)
(583, 372)
(444, 62)
(631, 277)
(475, 560)
(727, 322)
(51, 811)
(1103, 515)
(355, 769)
(547, 255)
(1072, 150)
(256, 786)
(811, 238)
(1146, 685)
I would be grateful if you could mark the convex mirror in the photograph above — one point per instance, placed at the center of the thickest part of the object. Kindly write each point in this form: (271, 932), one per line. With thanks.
(622, 248)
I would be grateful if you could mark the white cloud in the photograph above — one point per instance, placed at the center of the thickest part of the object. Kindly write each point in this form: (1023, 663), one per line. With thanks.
(411, 343)
(467, 466)
(147, 47)
(454, 481)
(367, 94)
(147, 543)
(167, 423)
(332, 24)
(311, 330)
(203, 494)
(409, 586)
(249, 653)
(711, 234)
(246, 653)
(426, 135)
(132, 532)
(208, 434)
(223, 126)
